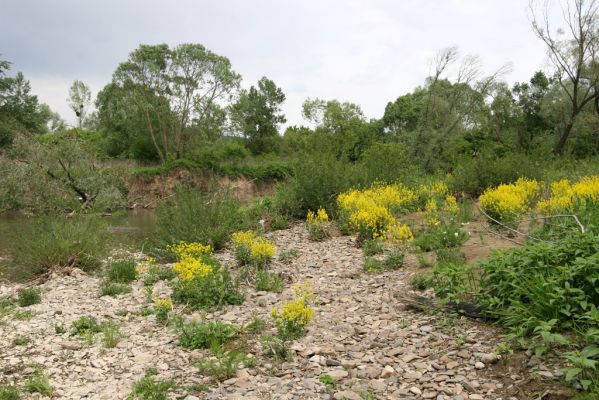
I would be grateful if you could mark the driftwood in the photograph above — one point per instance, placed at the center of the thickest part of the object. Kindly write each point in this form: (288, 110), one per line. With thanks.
(421, 303)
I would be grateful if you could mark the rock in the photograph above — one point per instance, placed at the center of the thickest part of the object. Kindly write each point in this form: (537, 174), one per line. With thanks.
(378, 385)
(413, 375)
(479, 365)
(426, 329)
(338, 374)
(387, 372)
(415, 390)
(347, 394)
(490, 358)
(476, 397)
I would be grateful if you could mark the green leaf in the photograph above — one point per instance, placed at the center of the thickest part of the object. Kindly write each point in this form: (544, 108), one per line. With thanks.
(571, 373)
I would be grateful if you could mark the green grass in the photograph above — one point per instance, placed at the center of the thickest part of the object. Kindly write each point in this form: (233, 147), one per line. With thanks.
(21, 341)
(85, 325)
(111, 334)
(121, 271)
(224, 366)
(29, 296)
(148, 388)
(109, 288)
(269, 282)
(39, 383)
(9, 392)
(200, 335)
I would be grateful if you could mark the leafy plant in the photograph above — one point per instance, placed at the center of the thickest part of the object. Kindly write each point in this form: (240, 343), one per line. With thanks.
(109, 288)
(121, 271)
(39, 383)
(441, 236)
(111, 334)
(29, 296)
(9, 392)
(287, 256)
(372, 247)
(269, 282)
(85, 325)
(224, 365)
(150, 389)
(200, 335)
(21, 341)
(275, 347)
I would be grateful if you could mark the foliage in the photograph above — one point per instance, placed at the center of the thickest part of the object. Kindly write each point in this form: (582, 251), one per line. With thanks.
(162, 309)
(80, 241)
(121, 271)
(198, 216)
(205, 335)
(224, 365)
(252, 249)
(441, 237)
(29, 296)
(111, 335)
(287, 256)
(269, 282)
(372, 247)
(275, 347)
(85, 325)
(318, 224)
(110, 288)
(21, 341)
(507, 202)
(39, 383)
(150, 389)
(295, 315)
(9, 392)
(203, 282)
(151, 272)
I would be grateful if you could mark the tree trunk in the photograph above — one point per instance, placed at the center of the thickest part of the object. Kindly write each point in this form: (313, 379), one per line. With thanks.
(561, 144)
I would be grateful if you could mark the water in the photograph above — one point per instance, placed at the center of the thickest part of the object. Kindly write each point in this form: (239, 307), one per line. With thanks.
(129, 229)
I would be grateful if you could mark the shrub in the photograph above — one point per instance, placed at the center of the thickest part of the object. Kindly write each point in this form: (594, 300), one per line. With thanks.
(224, 365)
(441, 237)
(372, 247)
(295, 315)
(150, 389)
(8, 392)
(507, 202)
(85, 325)
(39, 383)
(108, 288)
(197, 216)
(287, 256)
(29, 296)
(121, 271)
(318, 224)
(420, 282)
(203, 282)
(269, 282)
(111, 335)
(252, 249)
(162, 309)
(80, 241)
(372, 265)
(200, 335)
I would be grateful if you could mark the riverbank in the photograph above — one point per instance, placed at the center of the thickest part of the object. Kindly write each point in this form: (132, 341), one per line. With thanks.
(367, 343)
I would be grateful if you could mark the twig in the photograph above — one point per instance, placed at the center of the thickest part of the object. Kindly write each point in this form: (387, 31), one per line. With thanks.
(580, 225)
(507, 227)
(158, 199)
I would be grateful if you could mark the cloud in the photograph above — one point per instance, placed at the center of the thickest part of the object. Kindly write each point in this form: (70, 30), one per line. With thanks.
(364, 51)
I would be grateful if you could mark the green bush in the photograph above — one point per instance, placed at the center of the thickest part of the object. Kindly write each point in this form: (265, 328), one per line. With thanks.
(80, 241)
(121, 271)
(29, 296)
(441, 236)
(150, 389)
(198, 216)
(85, 325)
(8, 392)
(109, 288)
(200, 335)
(225, 365)
(269, 282)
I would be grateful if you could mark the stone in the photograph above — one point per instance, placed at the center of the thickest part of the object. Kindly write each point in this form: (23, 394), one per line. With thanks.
(387, 372)
(338, 374)
(479, 365)
(415, 390)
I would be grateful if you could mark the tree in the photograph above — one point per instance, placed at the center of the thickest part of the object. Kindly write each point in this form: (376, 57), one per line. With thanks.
(79, 100)
(171, 91)
(573, 55)
(257, 114)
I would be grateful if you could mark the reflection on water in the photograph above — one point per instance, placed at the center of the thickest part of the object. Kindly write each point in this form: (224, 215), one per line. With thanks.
(128, 229)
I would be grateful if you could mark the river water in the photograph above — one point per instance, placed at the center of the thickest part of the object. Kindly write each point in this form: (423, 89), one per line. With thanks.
(129, 229)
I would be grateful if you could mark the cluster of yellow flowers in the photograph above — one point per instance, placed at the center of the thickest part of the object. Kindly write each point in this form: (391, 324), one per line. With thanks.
(506, 202)
(319, 217)
(295, 315)
(192, 249)
(163, 304)
(143, 267)
(370, 212)
(564, 195)
(398, 234)
(435, 190)
(318, 224)
(189, 267)
(251, 248)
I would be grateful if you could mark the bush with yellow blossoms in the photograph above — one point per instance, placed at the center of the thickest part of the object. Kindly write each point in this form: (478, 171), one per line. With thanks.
(252, 249)
(189, 249)
(162, 309)
(508, 202)
(318, 224)
(568, 197)
(201, 280)
(295, 315)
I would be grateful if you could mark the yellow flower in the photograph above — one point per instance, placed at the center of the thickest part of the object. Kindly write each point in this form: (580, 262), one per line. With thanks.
(506, 202)
(261, 249)
(451, 205)
(398, 234)
(188, 268)
(250, 248)
(192, 249)
(163, 304)
(565, 196)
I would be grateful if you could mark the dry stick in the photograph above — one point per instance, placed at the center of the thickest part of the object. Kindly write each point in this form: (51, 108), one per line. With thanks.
(158, 199)
(580, 225)
(507, 227)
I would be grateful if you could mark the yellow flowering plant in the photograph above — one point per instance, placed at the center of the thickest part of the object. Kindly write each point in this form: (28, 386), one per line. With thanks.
(252, 249)
(162, 309)
(318, 224)
(507, 202)
(295, 315)
(189, 249)
(566, 197)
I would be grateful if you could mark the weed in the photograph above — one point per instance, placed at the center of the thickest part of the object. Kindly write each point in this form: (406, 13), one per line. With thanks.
(29, 296)
(372, 265)
(295, 315)
(145, 311)
(327, 381)
(109, 288)
(441, 236)
(148, 388)
(275, 348)
(39, 383)
(157, 273)
(9, 392)
(21, 341)
(162, 308)
(23, 315)
(318, 224)
(372, 247)
(269, 282)
(112, 334)
(59, 329)
(225, 365)
(256, 326)
(85, 325)
(394, 260)
(420, 282)
(121, 313)
(121, 271)
(199, 335)
(423, 260)
(287, 256)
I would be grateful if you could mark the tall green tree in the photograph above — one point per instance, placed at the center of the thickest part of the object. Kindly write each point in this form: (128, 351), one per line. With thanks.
(172, 91)
(257, 114)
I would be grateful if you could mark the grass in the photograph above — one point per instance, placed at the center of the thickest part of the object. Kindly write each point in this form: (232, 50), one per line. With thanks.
(372, 247)
(225, 365)
(199, 335)
(287, 256)
(148, 388)
(39, 383)
(109, 288)
(420, 282)
(23, 315)
(269, 282)
(21, 341)
(121, 271)
(29, 296)
(9, 392)
(85, 325)
(111, 335)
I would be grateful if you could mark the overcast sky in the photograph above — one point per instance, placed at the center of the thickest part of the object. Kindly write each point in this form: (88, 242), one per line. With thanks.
(365, 51)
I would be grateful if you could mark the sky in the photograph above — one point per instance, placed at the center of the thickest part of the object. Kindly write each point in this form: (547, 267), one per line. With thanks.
(367, 52)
